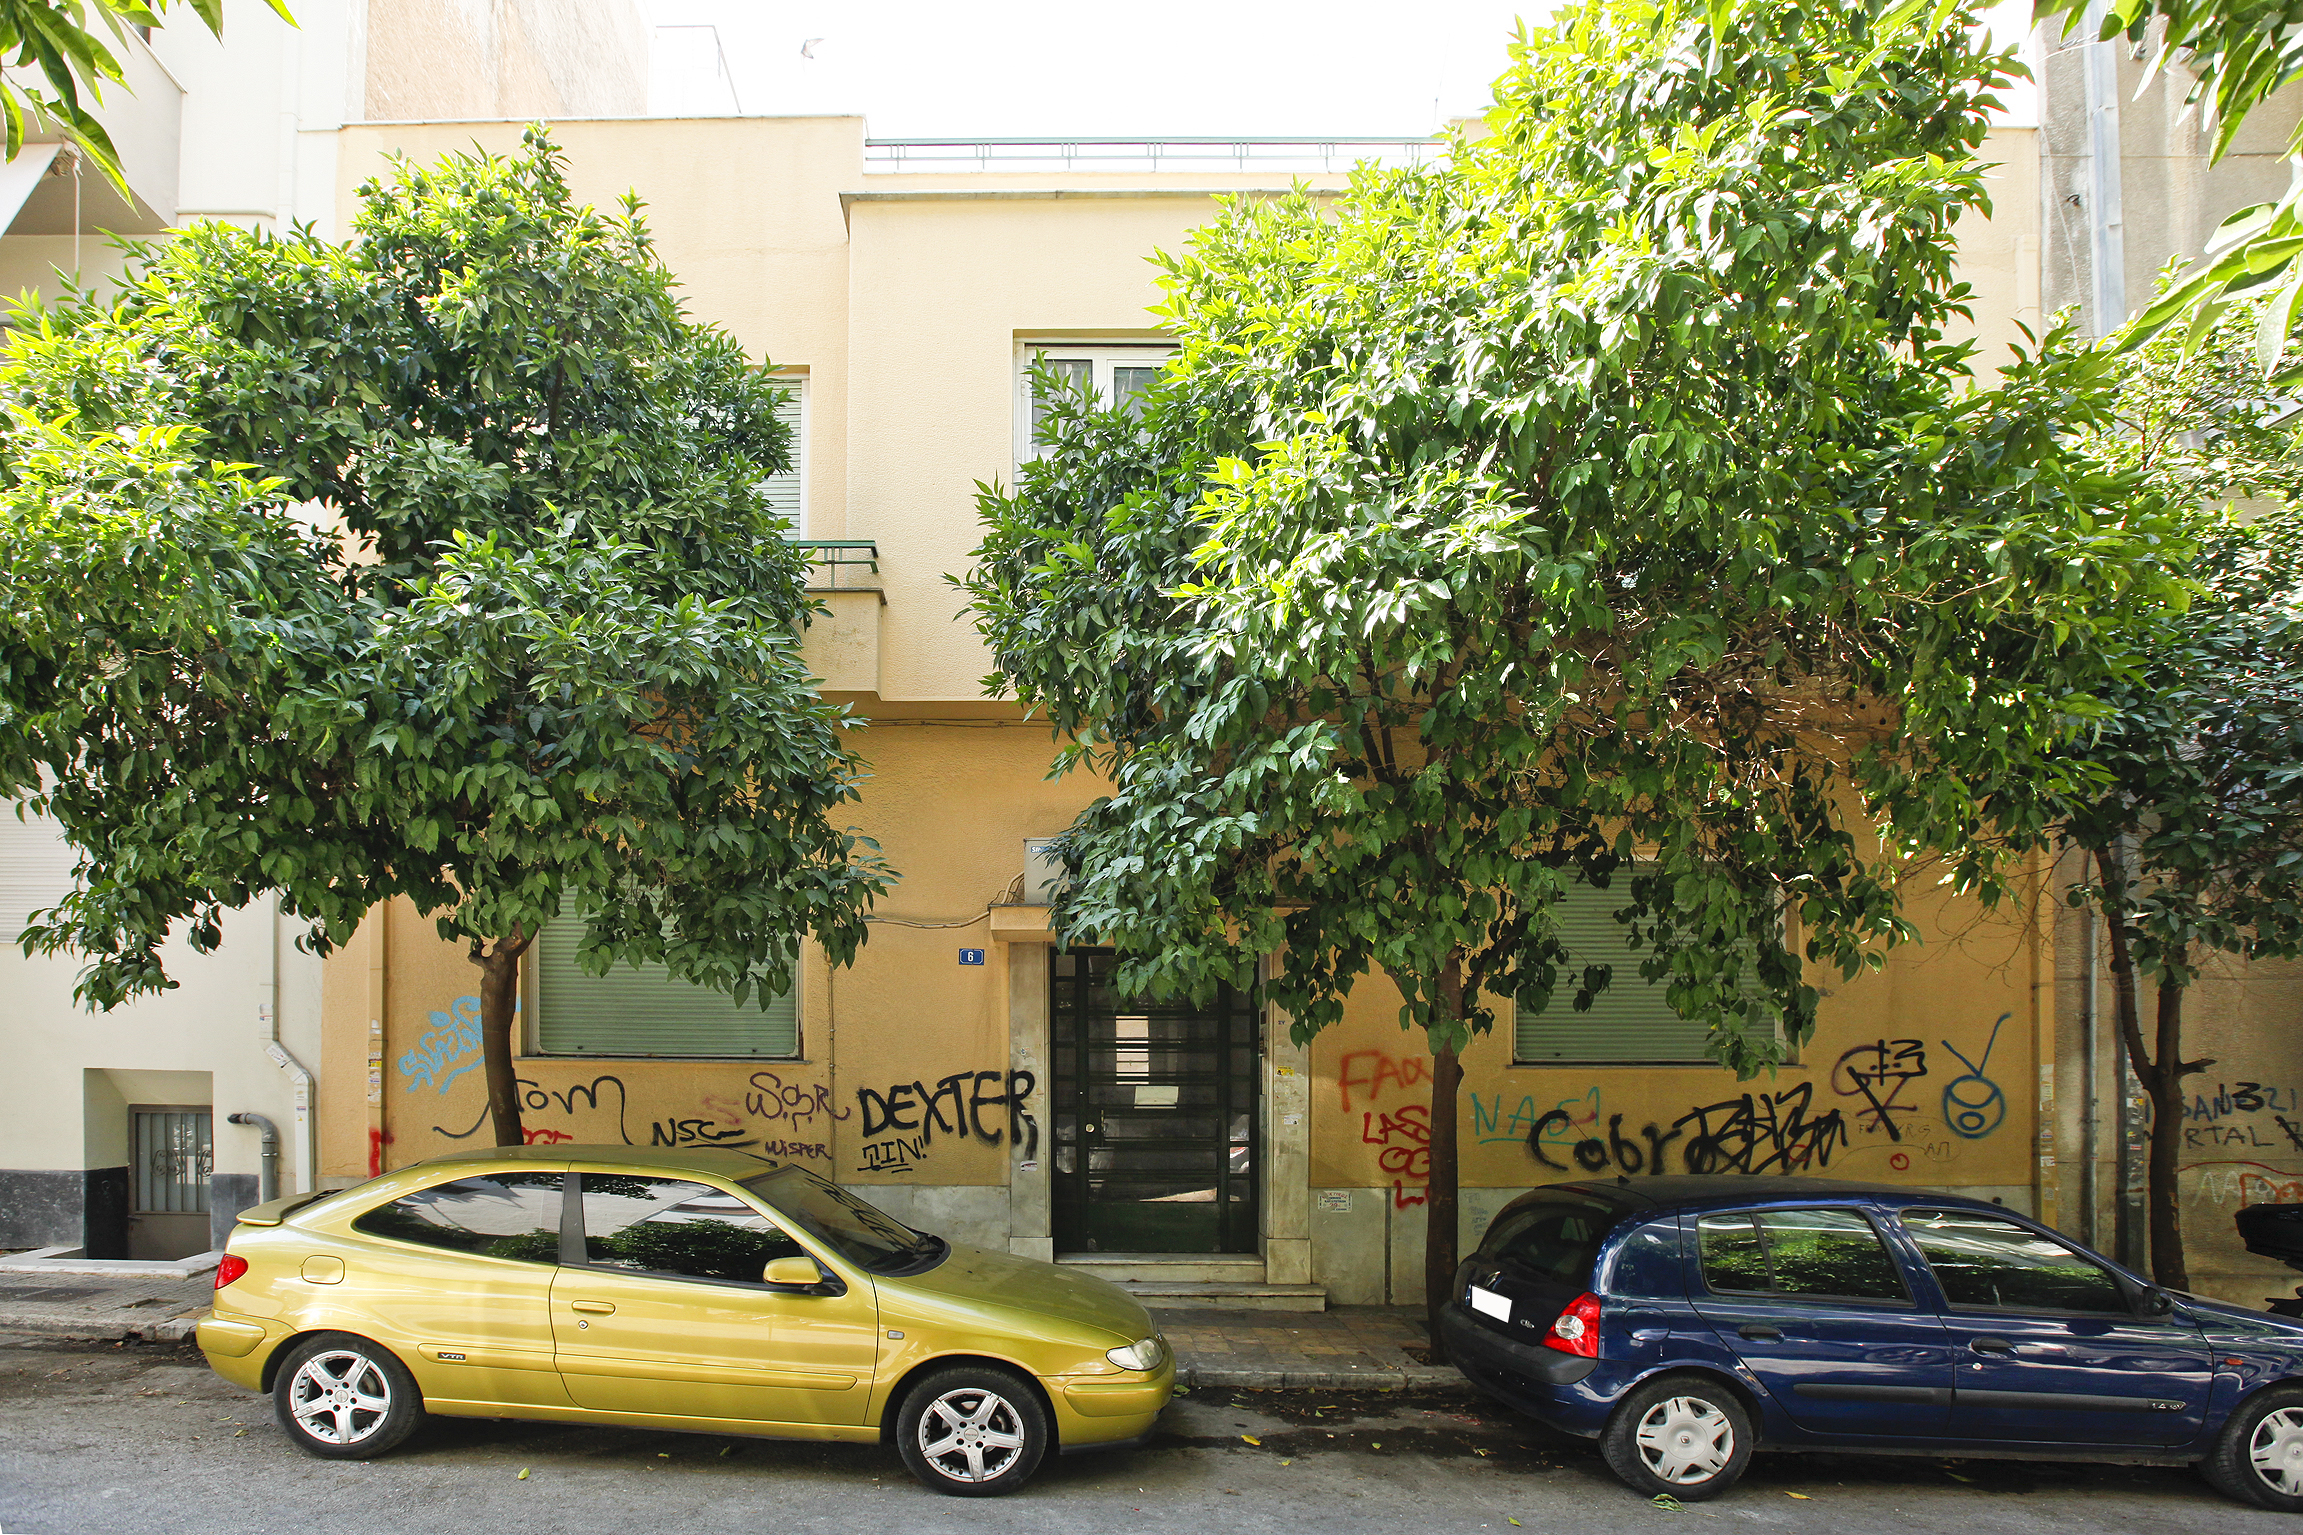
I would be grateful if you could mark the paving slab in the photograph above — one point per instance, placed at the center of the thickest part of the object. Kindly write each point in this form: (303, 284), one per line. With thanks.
(1349, 1348)
(157, 1307)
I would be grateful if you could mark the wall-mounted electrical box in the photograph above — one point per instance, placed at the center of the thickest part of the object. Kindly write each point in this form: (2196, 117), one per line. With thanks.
(1043, 871)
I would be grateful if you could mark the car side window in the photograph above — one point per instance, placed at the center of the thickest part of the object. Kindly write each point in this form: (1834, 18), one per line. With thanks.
(675, 1227)
(1980, 1260)
(1798, 1252)
(503, 1215)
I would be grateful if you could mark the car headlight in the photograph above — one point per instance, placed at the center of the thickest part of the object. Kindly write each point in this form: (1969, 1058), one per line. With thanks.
(1142, 1354)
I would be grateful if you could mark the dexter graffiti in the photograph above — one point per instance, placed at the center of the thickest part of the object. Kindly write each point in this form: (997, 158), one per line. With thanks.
(899, 1123)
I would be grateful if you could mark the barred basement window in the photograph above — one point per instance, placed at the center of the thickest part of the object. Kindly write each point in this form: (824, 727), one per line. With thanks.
(1631, 1022)
(643, 1011)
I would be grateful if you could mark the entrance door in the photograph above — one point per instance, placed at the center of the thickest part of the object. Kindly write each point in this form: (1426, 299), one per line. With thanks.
(171, 1152)
(1155, 1117)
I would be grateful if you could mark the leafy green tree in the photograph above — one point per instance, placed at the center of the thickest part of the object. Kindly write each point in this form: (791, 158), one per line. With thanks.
(54, 37)
(432, 565)
(2237, 53)
(2194, 824)
(1606, 504)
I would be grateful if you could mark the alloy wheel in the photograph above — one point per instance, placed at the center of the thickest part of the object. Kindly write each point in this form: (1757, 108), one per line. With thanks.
(971, 1435)
(1685, 1440)
(340, 1397)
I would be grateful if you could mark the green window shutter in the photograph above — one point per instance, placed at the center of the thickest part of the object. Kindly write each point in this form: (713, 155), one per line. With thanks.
(1630, 1021)
(783, 489)
(643, 1011)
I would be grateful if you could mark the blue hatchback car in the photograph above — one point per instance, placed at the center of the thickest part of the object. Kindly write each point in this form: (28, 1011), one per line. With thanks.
(1684, 1322)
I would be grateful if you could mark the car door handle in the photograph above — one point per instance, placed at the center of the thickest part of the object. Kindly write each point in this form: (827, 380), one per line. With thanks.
(1990, 1343)
(1760, 1330)
(596, 1307)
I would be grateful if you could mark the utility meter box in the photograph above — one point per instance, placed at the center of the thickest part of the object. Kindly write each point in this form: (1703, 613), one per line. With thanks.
(1043, 871)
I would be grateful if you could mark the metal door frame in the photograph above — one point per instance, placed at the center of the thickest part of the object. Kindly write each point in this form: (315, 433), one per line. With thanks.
(1239, 1226)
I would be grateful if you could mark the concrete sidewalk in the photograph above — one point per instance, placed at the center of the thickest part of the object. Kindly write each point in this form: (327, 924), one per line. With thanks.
(1357, 1348)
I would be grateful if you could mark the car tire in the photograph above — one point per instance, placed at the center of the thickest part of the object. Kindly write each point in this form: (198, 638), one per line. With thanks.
(972, 1432)
(1686, 1435)
(342, 1397)
(2258, 1458)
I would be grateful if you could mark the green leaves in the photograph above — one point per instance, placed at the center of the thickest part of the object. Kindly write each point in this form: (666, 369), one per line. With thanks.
(1604, 505)
(481, 607)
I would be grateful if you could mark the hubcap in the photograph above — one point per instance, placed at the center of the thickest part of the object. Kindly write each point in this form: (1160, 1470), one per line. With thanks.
(339, 1397)
(2277, 1450)
(1685, 1440)
(971, 1435)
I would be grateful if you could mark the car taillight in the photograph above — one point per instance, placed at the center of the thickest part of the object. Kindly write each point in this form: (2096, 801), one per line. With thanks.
(229, 1268)
(1576, 1330)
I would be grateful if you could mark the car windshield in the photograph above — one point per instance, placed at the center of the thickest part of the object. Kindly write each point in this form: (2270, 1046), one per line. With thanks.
(872, 1241)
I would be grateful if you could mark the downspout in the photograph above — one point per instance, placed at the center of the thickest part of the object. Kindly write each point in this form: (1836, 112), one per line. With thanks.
(269, 1184)
(300, 1080)
(2107, 238)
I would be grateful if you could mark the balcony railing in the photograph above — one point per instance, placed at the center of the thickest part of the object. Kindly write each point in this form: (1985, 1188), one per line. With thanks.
(1300, 156)
(829, 559)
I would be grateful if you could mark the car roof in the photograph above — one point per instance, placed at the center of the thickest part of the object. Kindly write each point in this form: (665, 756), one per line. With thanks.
(693, 1159)
(1643, 1196)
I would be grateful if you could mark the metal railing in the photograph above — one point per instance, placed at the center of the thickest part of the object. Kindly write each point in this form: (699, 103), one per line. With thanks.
(1250, 153)
(833, 556)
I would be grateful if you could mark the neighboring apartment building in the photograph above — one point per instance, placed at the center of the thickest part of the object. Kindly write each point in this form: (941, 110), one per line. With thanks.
(963, 1073)
(2125, 187)
(113, 1130)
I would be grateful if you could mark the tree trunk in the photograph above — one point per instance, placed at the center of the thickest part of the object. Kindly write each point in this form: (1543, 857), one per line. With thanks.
(1439, 1210)
(499, 1004)
(2126, 1013)
(2167, 1265)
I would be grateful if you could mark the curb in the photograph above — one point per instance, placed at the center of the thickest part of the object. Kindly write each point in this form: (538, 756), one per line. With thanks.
(1410, 1378)
(173, 1329)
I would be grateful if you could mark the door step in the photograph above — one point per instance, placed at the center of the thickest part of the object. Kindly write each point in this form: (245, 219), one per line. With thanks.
(1168, 1268)
(1182, 1295)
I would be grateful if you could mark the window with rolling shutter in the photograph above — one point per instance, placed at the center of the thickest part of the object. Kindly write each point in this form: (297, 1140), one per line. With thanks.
(35, 869)
(786, 490)
(1632, 1021)
(643, 1011)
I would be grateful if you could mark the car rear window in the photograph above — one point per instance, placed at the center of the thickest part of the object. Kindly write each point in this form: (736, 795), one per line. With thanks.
(1797, 1252)
(1556, 1239)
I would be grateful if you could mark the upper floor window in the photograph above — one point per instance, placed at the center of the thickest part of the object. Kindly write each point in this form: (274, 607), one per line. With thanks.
(644, 1011)
(1110, 374)
(786, 490)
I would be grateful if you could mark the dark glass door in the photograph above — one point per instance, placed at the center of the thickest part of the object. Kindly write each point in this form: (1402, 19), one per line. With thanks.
(1155, 1117)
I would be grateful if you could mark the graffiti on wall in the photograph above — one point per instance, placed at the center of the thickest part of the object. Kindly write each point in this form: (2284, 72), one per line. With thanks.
(900, 1122)
(2245, 1114)
(1891, 1103)
(769, 1116)
(448, 1049)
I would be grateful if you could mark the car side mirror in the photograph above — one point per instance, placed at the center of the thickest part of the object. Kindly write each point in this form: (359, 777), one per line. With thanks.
(2155, 1302)
(796, 1273)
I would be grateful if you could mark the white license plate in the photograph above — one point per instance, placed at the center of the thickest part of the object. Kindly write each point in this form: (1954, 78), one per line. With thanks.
(1488, 1303)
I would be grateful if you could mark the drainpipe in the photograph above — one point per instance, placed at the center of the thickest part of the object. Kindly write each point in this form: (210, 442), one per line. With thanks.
(268, 1025)
(2107, 239)
(270, 1185)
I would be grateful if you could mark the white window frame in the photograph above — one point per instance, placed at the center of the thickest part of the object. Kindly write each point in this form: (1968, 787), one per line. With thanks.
(1101, 356)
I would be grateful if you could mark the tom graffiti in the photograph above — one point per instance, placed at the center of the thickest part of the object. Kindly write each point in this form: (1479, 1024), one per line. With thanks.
(901, 1121)
(773, 1118)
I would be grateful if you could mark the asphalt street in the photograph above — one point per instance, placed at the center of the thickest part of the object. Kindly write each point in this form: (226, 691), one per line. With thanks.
(102, 1439)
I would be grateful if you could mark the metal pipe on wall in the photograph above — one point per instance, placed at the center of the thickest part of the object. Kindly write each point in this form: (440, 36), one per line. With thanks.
(268, 1186)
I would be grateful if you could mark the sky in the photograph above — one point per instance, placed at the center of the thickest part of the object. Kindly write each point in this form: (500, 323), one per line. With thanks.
(1034, 68)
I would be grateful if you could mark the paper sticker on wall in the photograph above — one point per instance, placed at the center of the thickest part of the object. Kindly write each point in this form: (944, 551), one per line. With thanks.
(1335, 1199)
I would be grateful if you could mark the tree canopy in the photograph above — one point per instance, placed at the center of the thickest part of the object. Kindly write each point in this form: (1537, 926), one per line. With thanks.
(433, 565)
(1609, 503)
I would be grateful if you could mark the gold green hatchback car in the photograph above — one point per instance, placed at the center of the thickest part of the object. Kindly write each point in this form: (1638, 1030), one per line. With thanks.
(703, 1290)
